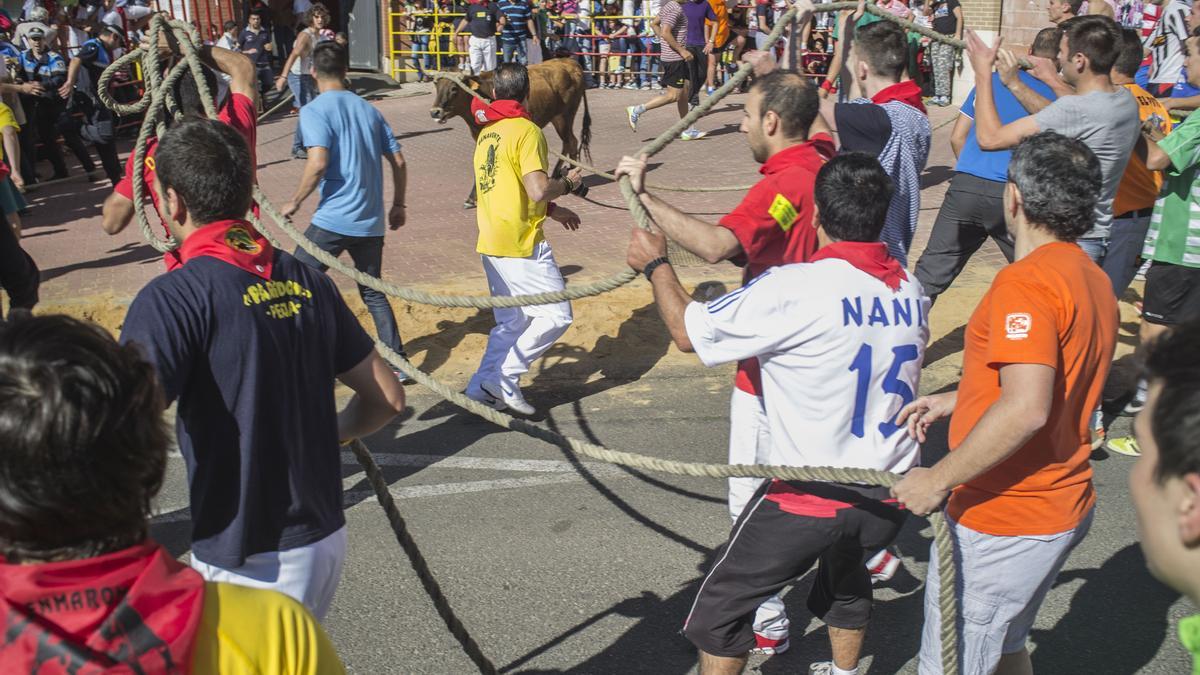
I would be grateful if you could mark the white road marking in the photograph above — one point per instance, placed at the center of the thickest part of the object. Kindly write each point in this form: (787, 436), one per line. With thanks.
(560, 472)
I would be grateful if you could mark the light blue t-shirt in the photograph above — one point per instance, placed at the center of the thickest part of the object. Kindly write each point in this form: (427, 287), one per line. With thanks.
(357, 138)
(993, 165)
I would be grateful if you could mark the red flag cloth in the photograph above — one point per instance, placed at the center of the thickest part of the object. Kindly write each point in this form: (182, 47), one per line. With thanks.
(867, 256)
(485, 113)
(132, 611)
(905, 92)
(233, 241)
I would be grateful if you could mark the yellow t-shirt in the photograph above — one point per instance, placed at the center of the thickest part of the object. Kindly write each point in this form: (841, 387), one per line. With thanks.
(250, 631)
(510, 223)
(7, 120)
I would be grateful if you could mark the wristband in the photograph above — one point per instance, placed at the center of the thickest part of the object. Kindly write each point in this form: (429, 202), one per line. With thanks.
(550, 209)
(648, 272)
(568, 185)
(828, 86)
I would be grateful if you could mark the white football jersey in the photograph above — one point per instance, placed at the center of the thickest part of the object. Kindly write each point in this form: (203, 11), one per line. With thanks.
(841, 354)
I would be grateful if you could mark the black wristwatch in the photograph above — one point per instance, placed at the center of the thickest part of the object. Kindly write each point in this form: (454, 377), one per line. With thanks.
(648, 272)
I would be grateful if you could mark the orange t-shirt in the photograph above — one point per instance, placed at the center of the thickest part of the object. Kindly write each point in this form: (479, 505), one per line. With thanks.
(722, 34)
(1053, 307)
(1139, 186)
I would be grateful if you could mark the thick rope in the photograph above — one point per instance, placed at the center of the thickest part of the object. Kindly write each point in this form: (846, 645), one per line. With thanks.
(437, 299)
(432, 588)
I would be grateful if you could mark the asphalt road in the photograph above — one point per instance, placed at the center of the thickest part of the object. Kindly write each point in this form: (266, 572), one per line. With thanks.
(557, 565)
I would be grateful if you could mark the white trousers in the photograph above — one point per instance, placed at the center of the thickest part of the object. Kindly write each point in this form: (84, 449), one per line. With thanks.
(482, 54)
(309, 574)
(522, 334)
(749, 442)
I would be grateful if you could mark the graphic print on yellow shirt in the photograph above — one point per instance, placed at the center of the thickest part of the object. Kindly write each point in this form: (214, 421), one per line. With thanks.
(510, 223)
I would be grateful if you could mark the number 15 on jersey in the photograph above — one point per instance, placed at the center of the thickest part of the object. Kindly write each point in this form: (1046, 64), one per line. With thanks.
(891, 385)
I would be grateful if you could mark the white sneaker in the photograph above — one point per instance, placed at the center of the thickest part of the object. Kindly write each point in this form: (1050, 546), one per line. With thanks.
(692, 134)
(883, 565)
(513, 400)
(821, 668)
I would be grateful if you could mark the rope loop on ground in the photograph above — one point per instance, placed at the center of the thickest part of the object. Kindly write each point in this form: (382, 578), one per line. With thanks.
(156, 103)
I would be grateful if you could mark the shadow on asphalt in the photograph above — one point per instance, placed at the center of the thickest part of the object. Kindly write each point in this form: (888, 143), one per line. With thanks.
(129, 253)
(1083, 642)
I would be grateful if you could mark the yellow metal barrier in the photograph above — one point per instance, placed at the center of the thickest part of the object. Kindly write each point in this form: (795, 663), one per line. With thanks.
(414, 51)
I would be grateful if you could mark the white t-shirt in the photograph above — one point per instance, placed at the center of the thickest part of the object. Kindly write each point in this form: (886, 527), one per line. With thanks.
(841, 353)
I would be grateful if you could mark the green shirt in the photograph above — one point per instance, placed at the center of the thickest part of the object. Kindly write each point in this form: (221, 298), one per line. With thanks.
(1189, 635)
(1174, 234)
(867, 19)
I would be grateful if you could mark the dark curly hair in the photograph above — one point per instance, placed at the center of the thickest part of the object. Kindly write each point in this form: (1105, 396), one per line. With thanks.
(83, 444)
(1059, 180)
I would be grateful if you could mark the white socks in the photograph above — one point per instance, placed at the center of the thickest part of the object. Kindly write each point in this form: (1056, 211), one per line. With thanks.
(839, 671)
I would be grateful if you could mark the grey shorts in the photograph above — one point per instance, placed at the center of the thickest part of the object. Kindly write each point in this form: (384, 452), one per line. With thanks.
(1002, 582)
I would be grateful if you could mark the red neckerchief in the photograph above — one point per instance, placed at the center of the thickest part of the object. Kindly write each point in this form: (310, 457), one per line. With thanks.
(233, 241)
(135, 610)
(484, 114)
(905, 92)
(821, 145)
(866, 256)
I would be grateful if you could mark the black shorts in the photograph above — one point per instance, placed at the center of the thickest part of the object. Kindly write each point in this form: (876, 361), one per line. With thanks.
(770, 548)
(1172, 294)
(674, 74)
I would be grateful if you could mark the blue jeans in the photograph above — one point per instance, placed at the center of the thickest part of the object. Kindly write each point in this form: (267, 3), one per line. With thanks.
(1125, 249)
(1096, 248)
(513, 51)
(304, 89)
(367, 254)
(419, 49)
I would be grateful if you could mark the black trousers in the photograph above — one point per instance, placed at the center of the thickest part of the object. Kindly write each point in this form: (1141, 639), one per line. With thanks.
(972, 211)
(770, 548)
(19, 275)
(49, 119)
(697, 72)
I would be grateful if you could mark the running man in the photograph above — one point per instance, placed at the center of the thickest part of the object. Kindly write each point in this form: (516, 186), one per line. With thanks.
(1038, 349)
(516, 196)
(768, 229)
(672, 26)
(840, 341)
(250, 342)
(348, 142)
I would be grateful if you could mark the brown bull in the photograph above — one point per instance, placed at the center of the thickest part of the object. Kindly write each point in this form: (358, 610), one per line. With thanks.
(555, 90)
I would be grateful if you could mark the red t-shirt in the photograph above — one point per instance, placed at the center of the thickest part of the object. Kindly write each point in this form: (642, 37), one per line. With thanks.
(774, 222)
(239, 113)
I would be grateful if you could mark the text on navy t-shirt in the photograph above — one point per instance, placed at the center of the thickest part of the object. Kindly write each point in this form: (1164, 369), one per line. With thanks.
(252, 363)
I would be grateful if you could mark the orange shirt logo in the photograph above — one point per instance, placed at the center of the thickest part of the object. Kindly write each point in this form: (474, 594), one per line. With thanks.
(1016, 326)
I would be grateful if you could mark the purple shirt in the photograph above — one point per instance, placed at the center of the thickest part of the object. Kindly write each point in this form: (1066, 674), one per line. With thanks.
(696, 13)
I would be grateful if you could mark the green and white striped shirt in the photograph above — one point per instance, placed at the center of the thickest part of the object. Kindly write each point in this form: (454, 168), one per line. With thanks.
(1174, 234)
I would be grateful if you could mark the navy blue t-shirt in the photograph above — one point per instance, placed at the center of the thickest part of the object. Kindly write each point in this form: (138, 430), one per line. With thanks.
(993, 164)
(518, 13)
(252, 363)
